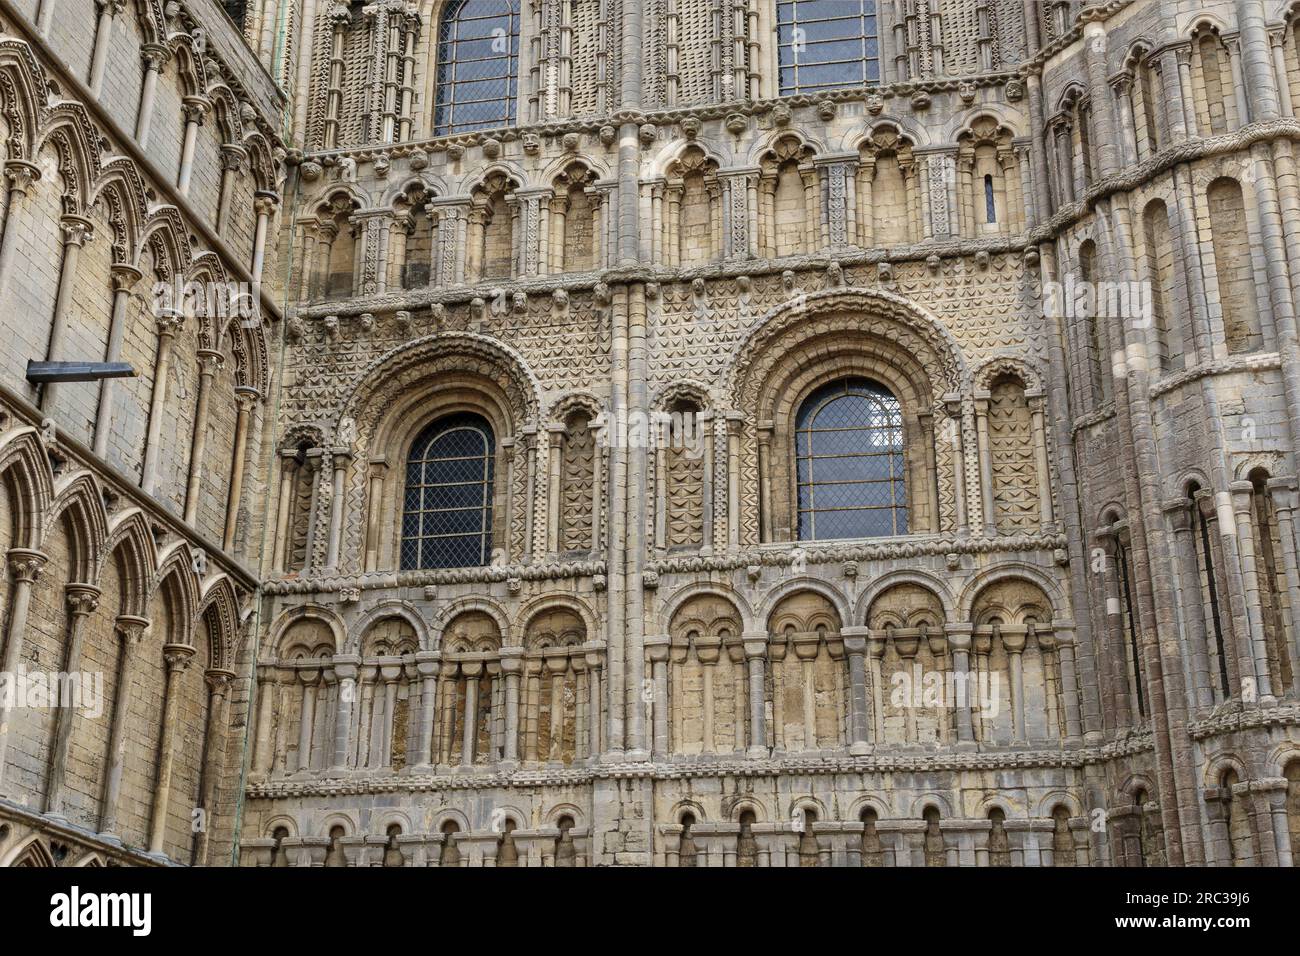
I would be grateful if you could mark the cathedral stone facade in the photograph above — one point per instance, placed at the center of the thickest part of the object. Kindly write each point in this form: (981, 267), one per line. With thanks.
(674, 432)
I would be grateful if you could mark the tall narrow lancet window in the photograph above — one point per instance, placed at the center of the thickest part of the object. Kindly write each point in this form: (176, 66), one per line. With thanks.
(478, 65)
(826, 45)
(849, 462)
(447, 511)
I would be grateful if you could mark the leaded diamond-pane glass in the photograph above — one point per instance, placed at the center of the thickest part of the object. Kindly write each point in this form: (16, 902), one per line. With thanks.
(849, 462)
(827, 44)
(447, 519)
(478, 65)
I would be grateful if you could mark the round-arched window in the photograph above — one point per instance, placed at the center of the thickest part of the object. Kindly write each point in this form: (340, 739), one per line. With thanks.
(849, 462)
(447, 509)
(478, 65)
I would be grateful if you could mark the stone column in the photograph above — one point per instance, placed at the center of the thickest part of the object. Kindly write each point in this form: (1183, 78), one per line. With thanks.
(985, 461)
(155, 56)
(594, 663)
(735, 420)
(473, 671)
(339, 458)
(177, 658)
(195, 108)
(657, 651)
(1242, 499)
(77, 231)
(855, 646)
(209, 361)
(1015, 646)
(1036, 404)
(19, 174)
(168, 324)
(266, 689)
(264, 204)
(512, 660)
(374, 511)
(1188, 574)
(82, 600)
(554, 441)
(245, 395)
(130, 632)
(108, 9)
(960, 640)
(1283, 492)
(24, 565)
(124, 278)
(345, 673)
(233, 160)
(214, 754)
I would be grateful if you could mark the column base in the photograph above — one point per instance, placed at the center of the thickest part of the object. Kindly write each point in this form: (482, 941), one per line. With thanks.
(860, 748)
(637, 756)
(757, 753)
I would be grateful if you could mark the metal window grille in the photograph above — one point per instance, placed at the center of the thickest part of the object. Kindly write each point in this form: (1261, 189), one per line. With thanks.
(827, 44)
(849, 462)
(447, 509)
(478, 65)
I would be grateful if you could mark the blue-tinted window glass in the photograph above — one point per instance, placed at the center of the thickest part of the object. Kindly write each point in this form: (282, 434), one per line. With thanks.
(827, 44)
(478, 65)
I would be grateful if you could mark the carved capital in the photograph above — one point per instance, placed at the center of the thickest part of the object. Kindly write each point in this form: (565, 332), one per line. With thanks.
(25, 564)
(20, 174)
(82, 599)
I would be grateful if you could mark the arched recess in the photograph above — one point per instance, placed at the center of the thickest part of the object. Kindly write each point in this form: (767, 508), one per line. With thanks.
(1234, 269)
(1011, 396)
(490, 251)
(835, 335)
(575, 226)
(1014, 644)
(809, 682)
(577, 460)
(907, 642)
(683, 430)
(470, 693)
(401, 394)
(387, 693)
(330, 248)
(292, 734)
(692, 217)
(705, 678)
(411, 238)
(788, 197)
(889, 203)
(991, 197)
(555, 712)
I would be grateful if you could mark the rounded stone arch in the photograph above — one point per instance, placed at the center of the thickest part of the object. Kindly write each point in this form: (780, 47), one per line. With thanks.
(903, 127)
(509, 175)
(907, 602)
(1014, 571)
(596, 167)
(1131, 785)
(805, 607)
(261, 161)
(1193, 23)
(787, 589)
(25, 468)
(867, 802)
(571, 402)
(90, 859)
(771, 140)
(1111, 513)
(987, 372)
(925, 801)
(662, 162)
(447, 815)
(685, 806)
(189, 64)
(407, 389)
(535, 608)
(386, 817)
(559, 811)
(283, 626)
(748, 803)
(460, 606)
(1281, 757)
(801, 804)
(1048, 803)
(1137, 50)
(483, 634)
(1000, 801)
(1216, 765)
(919, 577)
(1253, 462)
(281, 820)
(225, 113)
(669, 610)
(683, 391)
(219, 605)
(131, 536)
(331, 197)
(962, 124)
(78, 500)
(1073, 92)
(1183, 484)
(403, 610)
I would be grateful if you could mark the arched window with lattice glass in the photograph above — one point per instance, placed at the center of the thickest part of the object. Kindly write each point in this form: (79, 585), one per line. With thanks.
(478, 65)
(447, 509)
(849, 462)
